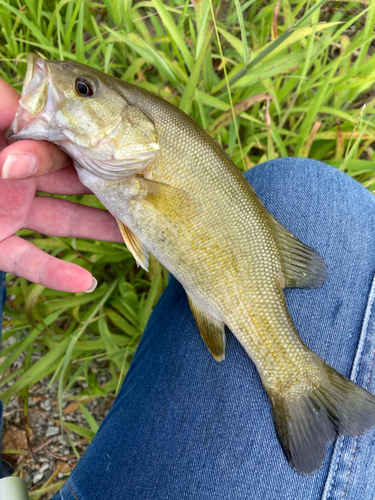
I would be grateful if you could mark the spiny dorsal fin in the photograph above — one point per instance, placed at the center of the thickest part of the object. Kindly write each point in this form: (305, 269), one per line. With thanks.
(211, 330)
(162, 198)
(303, 266)
(134, 245)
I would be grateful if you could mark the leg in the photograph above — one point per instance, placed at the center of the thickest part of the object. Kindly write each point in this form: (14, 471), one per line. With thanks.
(186, 427)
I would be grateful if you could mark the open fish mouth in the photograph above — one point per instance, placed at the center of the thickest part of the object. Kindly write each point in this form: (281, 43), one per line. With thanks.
(37, 104)
(34, 92)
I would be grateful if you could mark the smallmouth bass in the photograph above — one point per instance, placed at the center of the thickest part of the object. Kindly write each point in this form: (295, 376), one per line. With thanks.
(176, 194)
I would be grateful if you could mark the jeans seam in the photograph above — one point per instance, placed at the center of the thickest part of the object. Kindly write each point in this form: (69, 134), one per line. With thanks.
(350, 467)
(356, 441)
(337, 459)
(326, 495)
(71, 490)
(366, 321)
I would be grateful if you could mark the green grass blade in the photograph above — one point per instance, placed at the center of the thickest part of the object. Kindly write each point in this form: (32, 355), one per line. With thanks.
(72, 341)
(192, 83)
(227, 83)
(90, 419)
(107, 338)
(245, 50)
(227, 117)
(80, 54)
(151, 299)
(78, 429)
(46, 365)
(175, 33)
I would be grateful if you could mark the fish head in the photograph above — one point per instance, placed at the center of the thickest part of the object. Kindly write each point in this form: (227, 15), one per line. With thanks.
(84, 112)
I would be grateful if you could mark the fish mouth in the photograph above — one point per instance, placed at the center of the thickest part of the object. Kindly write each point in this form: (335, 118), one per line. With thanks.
(38, 100)
(34, 91)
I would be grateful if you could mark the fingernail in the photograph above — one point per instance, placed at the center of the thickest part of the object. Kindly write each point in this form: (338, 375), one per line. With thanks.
(19, 166)
(93, 286)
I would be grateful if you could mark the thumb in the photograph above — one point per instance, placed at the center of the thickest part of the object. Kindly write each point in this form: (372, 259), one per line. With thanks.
(27, 159)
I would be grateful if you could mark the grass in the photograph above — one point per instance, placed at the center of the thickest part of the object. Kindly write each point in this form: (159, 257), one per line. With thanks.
(265, 79)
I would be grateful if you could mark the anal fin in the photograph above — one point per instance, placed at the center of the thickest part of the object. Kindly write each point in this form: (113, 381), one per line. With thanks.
(211, 330)
(134, 245)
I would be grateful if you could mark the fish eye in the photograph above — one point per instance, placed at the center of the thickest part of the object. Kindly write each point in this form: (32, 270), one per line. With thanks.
(85, 87)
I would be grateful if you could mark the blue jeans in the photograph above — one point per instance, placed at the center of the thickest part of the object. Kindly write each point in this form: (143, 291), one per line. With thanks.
(2, 302)
(186, 427)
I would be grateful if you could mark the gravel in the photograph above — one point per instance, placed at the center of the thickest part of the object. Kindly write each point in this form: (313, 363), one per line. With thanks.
(52, 454)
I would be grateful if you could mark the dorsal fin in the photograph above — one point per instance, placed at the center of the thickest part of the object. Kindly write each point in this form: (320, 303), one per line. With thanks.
(134, 245)
(211, 330)
(303, 266)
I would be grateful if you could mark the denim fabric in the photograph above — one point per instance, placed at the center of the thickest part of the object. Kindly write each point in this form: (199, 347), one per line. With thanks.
(2, 302)
(186, 427)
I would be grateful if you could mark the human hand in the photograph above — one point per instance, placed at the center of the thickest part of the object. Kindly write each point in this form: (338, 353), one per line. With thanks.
(30, 166)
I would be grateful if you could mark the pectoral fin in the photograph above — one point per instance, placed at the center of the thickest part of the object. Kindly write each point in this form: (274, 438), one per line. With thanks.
(162, 198)
(303, 266)
(134, 245)
(211, 330)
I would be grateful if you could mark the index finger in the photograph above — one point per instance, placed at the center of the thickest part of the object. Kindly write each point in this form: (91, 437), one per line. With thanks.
(10, 104)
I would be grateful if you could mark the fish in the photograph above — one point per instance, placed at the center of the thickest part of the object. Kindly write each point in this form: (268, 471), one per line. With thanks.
(176, 194)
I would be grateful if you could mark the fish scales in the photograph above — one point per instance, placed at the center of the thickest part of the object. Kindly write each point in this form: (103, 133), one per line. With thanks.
(240, 255)
(176, 194)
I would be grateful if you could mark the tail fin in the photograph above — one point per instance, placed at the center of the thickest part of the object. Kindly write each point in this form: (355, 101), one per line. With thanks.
(307, 424)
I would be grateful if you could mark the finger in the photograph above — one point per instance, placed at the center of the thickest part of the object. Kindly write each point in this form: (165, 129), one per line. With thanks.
(9, 105)
(27, 159)
(64, 218)
(64, 181)
(15, 203)
(22, 258)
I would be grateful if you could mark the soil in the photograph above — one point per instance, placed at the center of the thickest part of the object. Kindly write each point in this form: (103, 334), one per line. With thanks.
(46, 455)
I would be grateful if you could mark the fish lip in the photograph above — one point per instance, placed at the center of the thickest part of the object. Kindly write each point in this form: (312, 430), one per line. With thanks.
(35, 78)
(37, 74)
(32, 61)
(38, 99)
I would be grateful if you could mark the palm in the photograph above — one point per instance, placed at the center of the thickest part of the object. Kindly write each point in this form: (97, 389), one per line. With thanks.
(20, 208)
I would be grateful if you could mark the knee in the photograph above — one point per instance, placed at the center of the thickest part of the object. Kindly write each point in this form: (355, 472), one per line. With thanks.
(304, 189)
